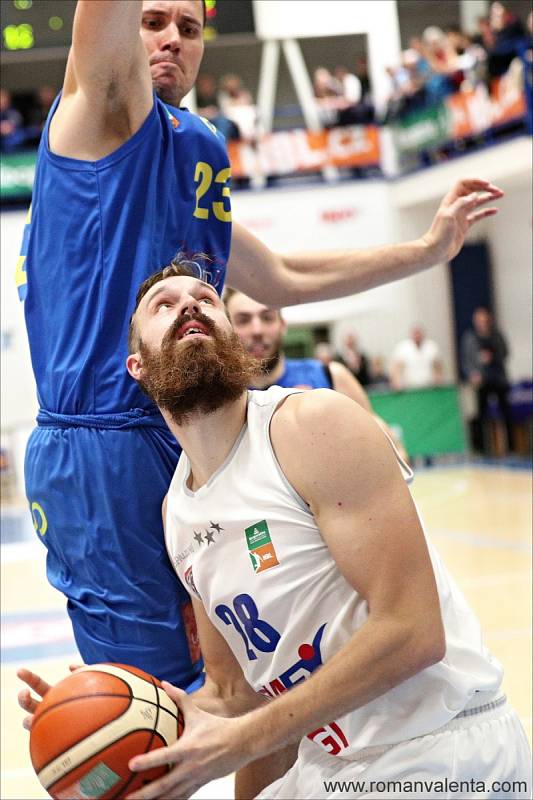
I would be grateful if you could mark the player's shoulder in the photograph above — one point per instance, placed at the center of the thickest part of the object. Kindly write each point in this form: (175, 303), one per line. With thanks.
(315, 412)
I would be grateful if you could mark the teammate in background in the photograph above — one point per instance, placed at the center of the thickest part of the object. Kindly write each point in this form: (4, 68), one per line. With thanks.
(261, 330)
(314, 556)
(124, 180)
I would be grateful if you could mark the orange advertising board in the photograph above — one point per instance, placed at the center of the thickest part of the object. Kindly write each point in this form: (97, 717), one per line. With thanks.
(286, 152)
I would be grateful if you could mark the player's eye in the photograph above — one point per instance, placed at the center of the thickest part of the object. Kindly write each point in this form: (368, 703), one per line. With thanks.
(189, 30)
(164, 305)
(152, 23)
(207, 300)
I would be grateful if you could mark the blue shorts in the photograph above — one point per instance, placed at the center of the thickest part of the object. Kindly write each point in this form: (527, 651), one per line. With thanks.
(95, 495)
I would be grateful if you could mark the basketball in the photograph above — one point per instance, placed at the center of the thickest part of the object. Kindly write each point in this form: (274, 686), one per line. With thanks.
(89, 726)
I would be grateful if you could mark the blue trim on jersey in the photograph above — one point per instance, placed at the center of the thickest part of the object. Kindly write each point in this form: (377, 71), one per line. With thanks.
(129, 419)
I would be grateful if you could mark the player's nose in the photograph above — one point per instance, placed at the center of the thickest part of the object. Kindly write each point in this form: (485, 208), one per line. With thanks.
(171, 39)
(189, 306)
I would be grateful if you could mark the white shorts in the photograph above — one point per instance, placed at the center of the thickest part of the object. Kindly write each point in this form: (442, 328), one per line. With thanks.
(483, 753)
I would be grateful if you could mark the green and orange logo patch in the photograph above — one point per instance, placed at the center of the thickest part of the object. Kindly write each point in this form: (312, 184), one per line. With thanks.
(260, 547)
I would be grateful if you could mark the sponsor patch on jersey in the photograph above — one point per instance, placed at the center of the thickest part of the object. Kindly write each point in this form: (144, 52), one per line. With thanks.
(260, 547)
(174, 122)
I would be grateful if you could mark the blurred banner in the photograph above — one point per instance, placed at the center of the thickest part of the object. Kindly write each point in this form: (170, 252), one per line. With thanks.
(460, 116)
(296, 151)
(429, 420)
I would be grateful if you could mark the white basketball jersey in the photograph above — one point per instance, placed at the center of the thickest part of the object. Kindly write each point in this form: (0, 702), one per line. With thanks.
(247, 545)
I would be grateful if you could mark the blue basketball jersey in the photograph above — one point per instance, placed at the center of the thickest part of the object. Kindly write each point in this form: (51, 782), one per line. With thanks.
(95, 231)
(100, 461)
(305, 373)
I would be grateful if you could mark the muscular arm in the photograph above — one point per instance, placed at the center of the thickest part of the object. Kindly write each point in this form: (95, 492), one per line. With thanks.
(350, 478)
(107, 92)
(282, 280)
(372, 531)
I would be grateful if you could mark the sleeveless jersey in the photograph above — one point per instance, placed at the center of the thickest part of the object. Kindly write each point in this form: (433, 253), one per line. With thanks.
(305, 373)
(95, 231)
(247, 545)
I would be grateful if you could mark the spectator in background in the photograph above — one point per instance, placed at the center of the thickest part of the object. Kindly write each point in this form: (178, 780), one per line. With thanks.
(352, 108)
(485, 35)
(354, 359)
(208, 105)
(378, 378)
(236, 104)
(323, 353)
(470, 57)
(44, 101)
(12, 132)
(361, 70)
(509, 39)
(445, 77)
(38, 114)
(416, 362)
(328, 94)
(483, 355)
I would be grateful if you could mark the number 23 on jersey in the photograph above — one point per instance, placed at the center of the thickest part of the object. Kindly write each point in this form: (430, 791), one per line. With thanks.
(204, 179)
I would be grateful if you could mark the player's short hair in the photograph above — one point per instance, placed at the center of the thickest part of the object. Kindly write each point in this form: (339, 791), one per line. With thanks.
(182, 265)
(227, 294)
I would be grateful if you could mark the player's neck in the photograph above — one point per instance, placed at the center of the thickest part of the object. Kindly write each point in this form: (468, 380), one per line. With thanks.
(207, 439)
(265, 379)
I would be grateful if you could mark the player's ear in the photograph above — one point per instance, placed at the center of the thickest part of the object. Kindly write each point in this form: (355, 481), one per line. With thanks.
(283, 324)
(134, 366)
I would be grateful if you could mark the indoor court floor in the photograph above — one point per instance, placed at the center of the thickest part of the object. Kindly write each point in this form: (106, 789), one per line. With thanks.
(479, 518)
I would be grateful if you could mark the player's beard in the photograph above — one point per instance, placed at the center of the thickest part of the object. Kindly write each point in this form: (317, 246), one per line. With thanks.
(199, 376)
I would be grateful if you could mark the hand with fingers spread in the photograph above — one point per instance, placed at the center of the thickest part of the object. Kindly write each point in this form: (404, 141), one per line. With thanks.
(462, 207)
(209, 748)
(37, 684)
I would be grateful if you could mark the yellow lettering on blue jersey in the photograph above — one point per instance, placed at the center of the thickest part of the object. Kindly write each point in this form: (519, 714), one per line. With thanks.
(40, 523)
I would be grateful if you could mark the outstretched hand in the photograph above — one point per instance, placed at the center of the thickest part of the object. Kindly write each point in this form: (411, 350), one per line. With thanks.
(39, 686)
(461, 208)
(210, 747)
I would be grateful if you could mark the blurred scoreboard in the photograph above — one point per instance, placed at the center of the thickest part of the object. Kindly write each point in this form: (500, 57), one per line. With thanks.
(27, 24)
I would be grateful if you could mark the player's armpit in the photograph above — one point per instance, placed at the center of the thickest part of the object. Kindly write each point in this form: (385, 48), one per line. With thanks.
(107, 91)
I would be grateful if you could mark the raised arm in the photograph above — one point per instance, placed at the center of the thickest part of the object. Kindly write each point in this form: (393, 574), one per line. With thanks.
(107, 92)
(277, 280)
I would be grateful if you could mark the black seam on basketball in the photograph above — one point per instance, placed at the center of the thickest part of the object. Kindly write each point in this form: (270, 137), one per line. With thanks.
(82, 697)
(147, 749)
(166, 710)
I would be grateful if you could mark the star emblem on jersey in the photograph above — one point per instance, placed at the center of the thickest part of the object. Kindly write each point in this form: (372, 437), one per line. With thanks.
(216, 527)
(198, 536)
(260, 547)
(208, 537)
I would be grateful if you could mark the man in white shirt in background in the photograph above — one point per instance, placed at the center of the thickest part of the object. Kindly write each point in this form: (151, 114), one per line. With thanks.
(416, 362)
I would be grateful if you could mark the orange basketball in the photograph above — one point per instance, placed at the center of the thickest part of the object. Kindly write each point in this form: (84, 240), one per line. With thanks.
(91, 724)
